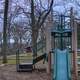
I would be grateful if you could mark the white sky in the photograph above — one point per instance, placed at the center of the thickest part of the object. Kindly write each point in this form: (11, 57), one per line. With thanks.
(59, 6)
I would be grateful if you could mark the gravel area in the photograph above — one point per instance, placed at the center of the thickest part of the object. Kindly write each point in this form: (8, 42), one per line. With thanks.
(8, 72)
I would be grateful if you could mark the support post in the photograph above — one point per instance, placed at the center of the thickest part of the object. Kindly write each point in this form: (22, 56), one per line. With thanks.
(48, 46)
(48, 39)
(74, 38)
(74, 46)
(49, 62)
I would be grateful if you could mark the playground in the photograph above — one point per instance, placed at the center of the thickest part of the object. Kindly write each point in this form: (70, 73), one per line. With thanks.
(47, 47)
(61, 55)
(60, 59)
(8, 72)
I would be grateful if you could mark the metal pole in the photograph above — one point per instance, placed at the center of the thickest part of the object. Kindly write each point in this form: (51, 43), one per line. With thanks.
(61, 27)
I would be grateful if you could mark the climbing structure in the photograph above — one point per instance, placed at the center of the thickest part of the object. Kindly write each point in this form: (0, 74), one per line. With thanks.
(62, 41)
(25, 62)
(64, 49)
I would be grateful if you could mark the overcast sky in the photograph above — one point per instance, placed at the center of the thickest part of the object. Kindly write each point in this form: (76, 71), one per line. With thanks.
(59, 6)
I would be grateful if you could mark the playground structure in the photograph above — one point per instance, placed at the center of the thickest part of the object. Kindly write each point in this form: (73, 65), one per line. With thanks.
(61, 42)
(62, 49)
(24, 64)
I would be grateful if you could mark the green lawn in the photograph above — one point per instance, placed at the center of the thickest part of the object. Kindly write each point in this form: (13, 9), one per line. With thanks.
(12, 59)
(22, 57)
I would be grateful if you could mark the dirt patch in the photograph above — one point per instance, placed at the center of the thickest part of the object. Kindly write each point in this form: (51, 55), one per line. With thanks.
(8, 72)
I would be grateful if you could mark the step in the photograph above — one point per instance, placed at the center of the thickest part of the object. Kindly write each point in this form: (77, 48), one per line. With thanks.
(25, 67)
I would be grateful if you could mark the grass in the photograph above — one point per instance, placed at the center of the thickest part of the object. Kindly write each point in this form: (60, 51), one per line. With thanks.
(12, 58)
(23, 57)
(11, 61)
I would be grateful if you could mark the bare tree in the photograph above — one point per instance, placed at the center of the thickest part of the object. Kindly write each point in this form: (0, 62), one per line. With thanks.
(36, 18)
(37, 23)
(4, 47)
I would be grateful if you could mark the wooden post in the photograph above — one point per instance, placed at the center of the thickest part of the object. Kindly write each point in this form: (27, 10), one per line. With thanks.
(74, 46)
(48, 39)
(48, 45)
(75, 51)
(49, 62)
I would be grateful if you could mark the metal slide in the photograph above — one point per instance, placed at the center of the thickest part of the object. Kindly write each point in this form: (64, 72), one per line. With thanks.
(62, 67)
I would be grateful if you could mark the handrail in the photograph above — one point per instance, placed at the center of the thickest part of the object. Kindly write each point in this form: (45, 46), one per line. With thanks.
(39, 58)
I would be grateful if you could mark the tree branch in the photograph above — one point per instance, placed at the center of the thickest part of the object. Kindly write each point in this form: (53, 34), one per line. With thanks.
(45, 16)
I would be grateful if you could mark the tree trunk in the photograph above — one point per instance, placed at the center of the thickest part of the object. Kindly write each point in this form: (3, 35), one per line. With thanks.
(34, 41)
(36, 25)
(16, 45)
(4, 48)
(20, 44)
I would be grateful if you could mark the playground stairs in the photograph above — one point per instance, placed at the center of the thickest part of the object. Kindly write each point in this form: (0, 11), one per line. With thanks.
(25, 67)
(39, 58)
(28, 65)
